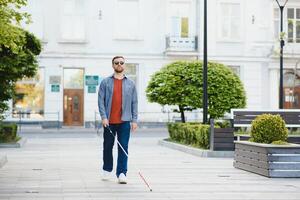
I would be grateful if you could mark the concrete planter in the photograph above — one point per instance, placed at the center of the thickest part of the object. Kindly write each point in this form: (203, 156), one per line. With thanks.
(223, 139)
(291, 138)
(18, 144)
(268, 160)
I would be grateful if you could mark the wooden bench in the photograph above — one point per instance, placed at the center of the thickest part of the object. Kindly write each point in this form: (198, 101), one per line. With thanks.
(244, 117)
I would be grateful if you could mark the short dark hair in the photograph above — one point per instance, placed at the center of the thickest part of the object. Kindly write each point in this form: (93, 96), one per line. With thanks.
(116, 57)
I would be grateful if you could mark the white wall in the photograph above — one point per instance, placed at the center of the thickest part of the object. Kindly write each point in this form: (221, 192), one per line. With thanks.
(252, 51)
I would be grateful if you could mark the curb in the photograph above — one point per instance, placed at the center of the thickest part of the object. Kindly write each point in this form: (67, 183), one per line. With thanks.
(196, 151)
(3, 160)
(18, 144)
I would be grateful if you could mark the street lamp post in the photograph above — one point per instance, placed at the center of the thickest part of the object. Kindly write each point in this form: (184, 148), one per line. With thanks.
(205, 104)
(281, 8)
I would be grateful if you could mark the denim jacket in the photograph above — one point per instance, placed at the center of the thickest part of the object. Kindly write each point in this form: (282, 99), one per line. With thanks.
(129, 99)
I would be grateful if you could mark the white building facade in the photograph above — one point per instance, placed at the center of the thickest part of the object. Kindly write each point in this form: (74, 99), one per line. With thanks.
(80, 37)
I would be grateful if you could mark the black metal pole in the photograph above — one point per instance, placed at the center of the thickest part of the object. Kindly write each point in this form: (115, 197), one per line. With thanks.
(281, 59)
(281, 8)
(205, 104)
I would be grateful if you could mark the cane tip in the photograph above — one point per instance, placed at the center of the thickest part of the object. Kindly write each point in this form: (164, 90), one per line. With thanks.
(150, 190)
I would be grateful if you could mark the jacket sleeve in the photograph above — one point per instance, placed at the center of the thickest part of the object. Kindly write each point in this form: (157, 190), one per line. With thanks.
(134, 105)
(101, 100)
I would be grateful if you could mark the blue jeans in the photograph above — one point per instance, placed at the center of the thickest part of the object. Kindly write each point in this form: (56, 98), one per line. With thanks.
(123, 133)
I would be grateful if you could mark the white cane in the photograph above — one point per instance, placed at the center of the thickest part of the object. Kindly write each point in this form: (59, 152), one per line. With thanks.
(139, 172)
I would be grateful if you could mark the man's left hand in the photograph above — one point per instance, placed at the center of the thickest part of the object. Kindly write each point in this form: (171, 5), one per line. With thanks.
(134, 126)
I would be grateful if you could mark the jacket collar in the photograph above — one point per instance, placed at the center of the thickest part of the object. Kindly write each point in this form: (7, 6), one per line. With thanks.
(112, 76)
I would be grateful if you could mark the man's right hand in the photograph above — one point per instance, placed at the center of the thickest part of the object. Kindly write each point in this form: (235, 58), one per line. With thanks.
(105, 122)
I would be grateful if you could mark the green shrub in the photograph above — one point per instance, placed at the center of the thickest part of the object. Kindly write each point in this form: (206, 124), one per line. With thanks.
(8, 133)
(268, 128)
(223, 124)
(194, 134)
(280, 142)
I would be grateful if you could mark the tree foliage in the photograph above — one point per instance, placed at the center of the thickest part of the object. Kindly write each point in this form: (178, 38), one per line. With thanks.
(180, 84)
(18, 49)
(12, 37)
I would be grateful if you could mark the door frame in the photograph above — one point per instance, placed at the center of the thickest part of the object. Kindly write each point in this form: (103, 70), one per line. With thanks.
(83, 94)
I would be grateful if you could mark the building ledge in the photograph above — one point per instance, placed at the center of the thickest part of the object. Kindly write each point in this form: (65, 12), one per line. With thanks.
(181, 53)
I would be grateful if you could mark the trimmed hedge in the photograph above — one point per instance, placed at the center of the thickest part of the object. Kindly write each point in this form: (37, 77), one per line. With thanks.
(8, 133)
(268, 128)
(194, 134)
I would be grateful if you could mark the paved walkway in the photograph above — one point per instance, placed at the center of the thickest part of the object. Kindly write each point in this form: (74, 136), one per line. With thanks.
(66, 165)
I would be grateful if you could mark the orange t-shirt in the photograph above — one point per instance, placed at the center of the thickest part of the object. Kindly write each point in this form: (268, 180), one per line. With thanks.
(116, 105)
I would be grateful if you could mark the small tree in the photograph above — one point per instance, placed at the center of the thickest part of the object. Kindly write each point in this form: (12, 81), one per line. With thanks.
(180, 83)
(18, 49)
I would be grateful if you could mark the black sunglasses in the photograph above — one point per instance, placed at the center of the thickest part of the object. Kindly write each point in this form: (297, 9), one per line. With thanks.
(117, 63)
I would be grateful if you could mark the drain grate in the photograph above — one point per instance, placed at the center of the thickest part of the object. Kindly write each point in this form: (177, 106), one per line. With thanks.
(32, 192)
(223, 176)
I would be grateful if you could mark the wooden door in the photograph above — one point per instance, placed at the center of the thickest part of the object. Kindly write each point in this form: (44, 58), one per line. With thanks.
(292, 98)
(73, 107)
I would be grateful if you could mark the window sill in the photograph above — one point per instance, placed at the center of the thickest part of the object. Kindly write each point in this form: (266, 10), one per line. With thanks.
(229, 41)
(127, 39)
(72, 41)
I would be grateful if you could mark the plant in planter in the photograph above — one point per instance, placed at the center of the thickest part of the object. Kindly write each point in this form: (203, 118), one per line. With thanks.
(267, 152)
(221, 138)
(8, 133)
(268, 128)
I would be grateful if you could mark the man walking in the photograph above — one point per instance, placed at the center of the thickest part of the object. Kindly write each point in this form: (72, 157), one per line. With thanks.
(117, 102)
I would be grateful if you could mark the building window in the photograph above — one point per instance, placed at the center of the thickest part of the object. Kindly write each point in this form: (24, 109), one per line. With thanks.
(73, 20)
(291, 88)
(131, 71)
(127, 26)
(73, 78)
(235, 69)
(180, 12)
(29, 98)
(293, 16)
(276, 16)
(230, 21)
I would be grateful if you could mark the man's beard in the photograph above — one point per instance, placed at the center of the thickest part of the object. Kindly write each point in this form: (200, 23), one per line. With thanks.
(119, 69)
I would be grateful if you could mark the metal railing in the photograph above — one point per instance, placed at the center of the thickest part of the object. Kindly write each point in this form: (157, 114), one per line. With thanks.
(181, 43)
(157, 117)
(25, 118)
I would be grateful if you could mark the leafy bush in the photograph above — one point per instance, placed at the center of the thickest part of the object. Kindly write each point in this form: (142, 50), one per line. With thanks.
(194, 134)
(268, 128)
(8, 133)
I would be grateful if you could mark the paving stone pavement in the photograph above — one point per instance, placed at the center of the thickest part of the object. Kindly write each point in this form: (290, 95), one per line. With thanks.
(66, 165)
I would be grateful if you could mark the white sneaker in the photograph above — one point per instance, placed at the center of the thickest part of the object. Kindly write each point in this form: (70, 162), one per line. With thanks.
(106, 175)
(122, 179)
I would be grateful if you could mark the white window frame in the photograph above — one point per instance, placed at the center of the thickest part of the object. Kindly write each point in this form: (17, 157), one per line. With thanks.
(235, 69)
(191, 17)
(33, 80)
(285, 23)
(276, 37)
(134, 75)
(77, 13)
(295, 20)
(220, 37)
(116, 35)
